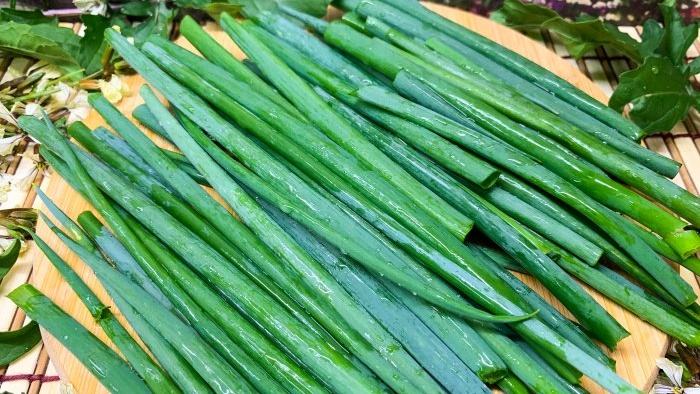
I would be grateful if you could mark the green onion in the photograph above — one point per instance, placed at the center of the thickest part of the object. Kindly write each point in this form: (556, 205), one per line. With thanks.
(338, 300)
(100, 360)
(153, 375)
(297, 91)
(211, 367)
(532, 329)
(504, 63)
(530, 170)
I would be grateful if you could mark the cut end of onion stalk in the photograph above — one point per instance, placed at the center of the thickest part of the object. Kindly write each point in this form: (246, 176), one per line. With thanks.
(686, 243)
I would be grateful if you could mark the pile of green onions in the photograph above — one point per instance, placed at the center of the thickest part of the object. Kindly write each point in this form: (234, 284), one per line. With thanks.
(387, 171)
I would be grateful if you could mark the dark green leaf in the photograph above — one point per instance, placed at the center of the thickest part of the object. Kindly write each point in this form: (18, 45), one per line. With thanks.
(659, 92)
(579, 36)
(214, 10)
(582, 37)
(694, 67)
(677, 38)
(138, 8)
(56, 45)
(14, 344)
(652, 37)
(8, 259)
(34, 17)
(158, 23)
(520, 15)
(197, 4)
(93, 45)
(661, 111)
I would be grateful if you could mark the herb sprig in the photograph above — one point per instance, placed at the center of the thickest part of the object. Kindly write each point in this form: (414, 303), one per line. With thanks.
(658, 90)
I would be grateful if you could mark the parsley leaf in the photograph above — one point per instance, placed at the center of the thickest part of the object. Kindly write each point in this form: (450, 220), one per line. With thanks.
(677, 38)
(659, 90)
(579, 37)
(521, 15)
(659, 93)
(694, 66)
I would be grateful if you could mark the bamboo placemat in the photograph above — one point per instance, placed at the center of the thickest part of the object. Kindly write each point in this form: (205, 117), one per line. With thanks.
(35, 374)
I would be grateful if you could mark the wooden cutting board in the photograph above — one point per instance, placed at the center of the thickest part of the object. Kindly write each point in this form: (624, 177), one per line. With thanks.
(635, 355)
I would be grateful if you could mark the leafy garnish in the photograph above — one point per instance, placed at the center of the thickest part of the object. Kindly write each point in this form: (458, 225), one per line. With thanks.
(579, 37)
(14, 344)
(27, 17)
(659, 90)
(660, 94)
(31, 34)
(44, 41)
(158, 22)
(92, 44)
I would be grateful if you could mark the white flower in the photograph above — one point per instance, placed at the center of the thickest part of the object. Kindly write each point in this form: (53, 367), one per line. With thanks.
(32, 154)
(674, 372)
(33, 109)
(114, 90)
(6, 115)
(73, 99)
(63, 95)
(78, 108)
(93, 7)
(5, 189)
(7, 145)
(19, 182)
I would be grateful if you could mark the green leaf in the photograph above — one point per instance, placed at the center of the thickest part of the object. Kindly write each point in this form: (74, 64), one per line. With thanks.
(15, 344)
(694, 67)
(677, 38)
(584, 36)
(92, 44)
(520, 15)
(8, 259)
(138, 8)
(652, 38)
(56, 45)
(214, 10)
(579, 36)
(34, 17)
(197, 4)
(157, 23)
(659, 92)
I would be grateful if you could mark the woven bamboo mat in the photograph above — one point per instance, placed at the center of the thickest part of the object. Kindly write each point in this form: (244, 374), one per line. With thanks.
(34, 373)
